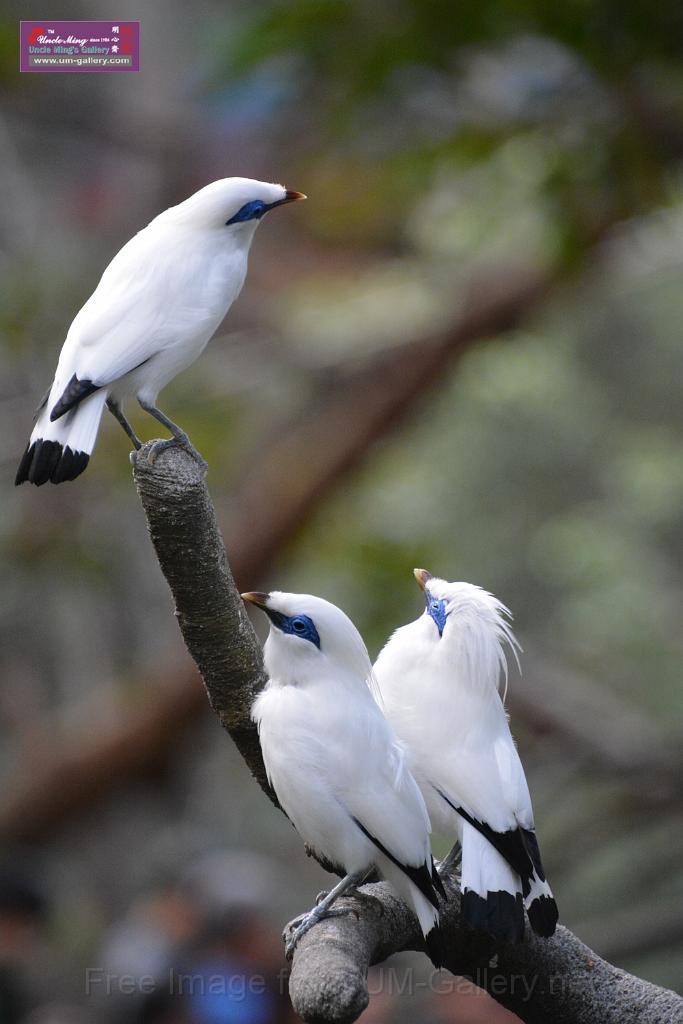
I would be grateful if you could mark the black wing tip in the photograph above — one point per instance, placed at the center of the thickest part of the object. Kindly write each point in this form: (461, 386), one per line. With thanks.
(75, 391)
(518, 846)
(45, 461)
(500, 914)
(543, 916)
(531, 844)
(419, 876)
(436, 947)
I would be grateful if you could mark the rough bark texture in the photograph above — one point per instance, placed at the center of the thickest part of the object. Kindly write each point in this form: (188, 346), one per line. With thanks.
(218, 634)
(558, 980)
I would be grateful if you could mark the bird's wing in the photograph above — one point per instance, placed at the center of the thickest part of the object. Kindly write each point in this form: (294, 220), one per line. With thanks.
(335, 765)
(459, 741)
(384, 797)
(514, 786)
(136, 310)
(487, 780)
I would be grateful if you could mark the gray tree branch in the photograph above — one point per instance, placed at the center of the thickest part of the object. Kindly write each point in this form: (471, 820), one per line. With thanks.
(558, 980)
(216, 630)
(542, 980)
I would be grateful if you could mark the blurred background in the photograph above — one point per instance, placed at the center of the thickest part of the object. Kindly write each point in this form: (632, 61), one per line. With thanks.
(463, 352)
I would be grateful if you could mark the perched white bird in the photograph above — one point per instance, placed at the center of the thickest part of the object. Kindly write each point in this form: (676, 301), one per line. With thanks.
(438, 678)
(157, 305)
(334, 762)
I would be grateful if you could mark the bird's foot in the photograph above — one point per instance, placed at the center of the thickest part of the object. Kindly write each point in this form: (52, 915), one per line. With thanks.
(301, 925)
(181, 442)
(323, 894)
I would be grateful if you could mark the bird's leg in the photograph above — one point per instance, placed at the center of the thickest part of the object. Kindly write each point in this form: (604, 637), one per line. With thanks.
(355, 893)
(179, 436)
(115, 410)
(322, 910)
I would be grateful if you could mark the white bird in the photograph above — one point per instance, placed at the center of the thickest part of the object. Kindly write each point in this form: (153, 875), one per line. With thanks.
(438, 678)
(152, 314)
(334, 762)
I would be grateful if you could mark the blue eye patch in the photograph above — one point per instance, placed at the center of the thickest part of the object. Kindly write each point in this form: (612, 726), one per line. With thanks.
(250, 211)
(295, 625)
(437, 610)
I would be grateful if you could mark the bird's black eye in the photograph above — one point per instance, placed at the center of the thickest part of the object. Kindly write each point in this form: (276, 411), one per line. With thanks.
(299, 625)
(435, 605)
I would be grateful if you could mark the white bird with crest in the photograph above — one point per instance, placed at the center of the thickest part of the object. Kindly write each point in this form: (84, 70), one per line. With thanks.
(439, 682)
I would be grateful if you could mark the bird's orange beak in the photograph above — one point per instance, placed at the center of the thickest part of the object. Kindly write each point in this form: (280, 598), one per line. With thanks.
(255, 597)
(291, 196)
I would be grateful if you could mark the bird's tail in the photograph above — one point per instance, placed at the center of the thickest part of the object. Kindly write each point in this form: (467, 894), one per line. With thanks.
(425, 911)
(492, 891)
(60, 450)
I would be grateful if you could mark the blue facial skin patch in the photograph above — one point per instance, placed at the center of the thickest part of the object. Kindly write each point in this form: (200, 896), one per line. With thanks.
(296, 625)
(437, 610)
(250, 211)
(256, 208)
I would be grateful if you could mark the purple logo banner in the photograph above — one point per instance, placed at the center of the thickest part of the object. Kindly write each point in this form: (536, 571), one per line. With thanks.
(79, 45)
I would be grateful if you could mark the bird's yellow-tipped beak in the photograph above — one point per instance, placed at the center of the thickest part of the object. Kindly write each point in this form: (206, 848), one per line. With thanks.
(292, 197)
(422, 576)
(254, 597)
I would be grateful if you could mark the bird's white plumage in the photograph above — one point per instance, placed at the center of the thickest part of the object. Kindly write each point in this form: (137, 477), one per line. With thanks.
(442, 697)
(441, 694)
(332, 757)
(166, 291)
(450, 714)
(157, 304)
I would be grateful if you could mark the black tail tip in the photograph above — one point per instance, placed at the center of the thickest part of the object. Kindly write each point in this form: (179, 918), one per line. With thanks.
(543, 916)
(435, 946)
(49, 460)
(500, 914)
